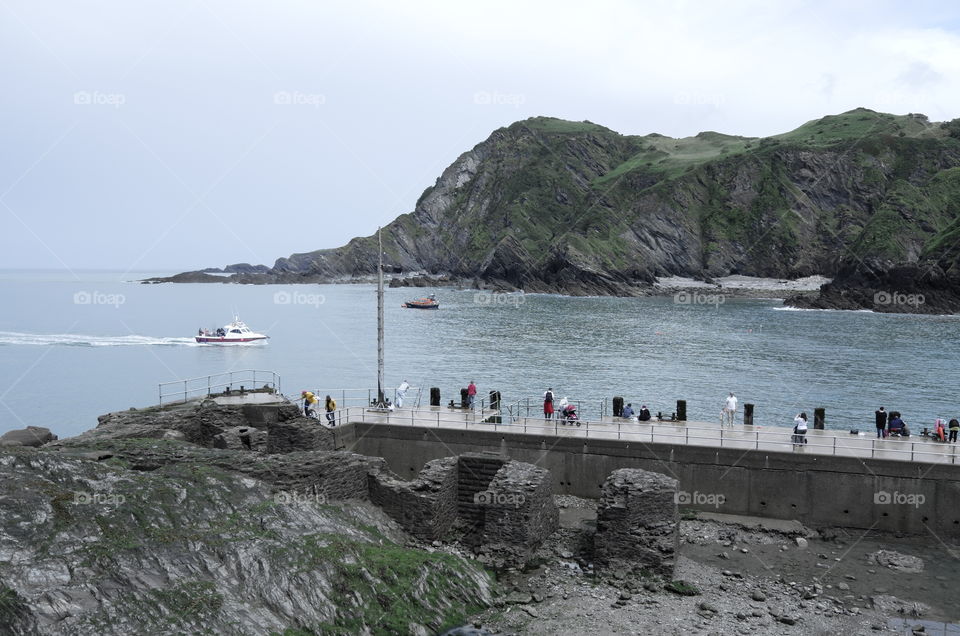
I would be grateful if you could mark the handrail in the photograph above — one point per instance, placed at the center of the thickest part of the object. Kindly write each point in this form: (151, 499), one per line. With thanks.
(652, 432)
(205, 384)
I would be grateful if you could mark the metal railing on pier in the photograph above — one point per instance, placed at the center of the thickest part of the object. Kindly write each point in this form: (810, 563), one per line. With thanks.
(776, 439)
(244, 380)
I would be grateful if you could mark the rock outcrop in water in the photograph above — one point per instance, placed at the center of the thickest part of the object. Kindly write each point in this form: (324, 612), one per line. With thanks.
(559, 206)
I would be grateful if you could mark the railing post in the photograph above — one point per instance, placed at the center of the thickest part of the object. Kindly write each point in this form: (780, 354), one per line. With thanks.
(721, 437)
(873, 448)
(912, 444)
(758, 439)
(184, 390)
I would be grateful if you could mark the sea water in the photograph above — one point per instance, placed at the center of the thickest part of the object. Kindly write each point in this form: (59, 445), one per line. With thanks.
(77, 345)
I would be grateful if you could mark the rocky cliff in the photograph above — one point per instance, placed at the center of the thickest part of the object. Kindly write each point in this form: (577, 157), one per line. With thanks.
(156, 522)
(573, 207)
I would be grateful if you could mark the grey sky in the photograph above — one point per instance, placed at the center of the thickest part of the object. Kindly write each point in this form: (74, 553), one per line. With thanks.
(178, 135)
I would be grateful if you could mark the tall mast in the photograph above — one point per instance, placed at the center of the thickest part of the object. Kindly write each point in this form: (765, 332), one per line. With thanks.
(380, 400)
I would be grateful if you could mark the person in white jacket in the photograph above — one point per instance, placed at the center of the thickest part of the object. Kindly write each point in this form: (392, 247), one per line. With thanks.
(800, 429)
(402, 393)
(730, 408)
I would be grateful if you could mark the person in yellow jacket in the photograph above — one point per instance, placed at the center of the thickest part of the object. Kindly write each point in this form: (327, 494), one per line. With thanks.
(310, 401)
(331, 406)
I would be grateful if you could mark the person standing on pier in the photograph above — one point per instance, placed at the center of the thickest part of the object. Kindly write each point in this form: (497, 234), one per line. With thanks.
(548, 404)
(954, 429)
(402, 392)
(331, 407)
(730, 408)
(800, 429)
(471, 394)
(310, 402)
(881, 421)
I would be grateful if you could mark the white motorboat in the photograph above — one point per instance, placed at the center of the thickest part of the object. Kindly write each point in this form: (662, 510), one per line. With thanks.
(235, 333)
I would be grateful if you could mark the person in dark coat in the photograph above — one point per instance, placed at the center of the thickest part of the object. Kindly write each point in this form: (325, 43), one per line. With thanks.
(881, 417)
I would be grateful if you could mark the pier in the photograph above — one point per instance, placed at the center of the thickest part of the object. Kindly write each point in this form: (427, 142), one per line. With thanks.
(690, 433)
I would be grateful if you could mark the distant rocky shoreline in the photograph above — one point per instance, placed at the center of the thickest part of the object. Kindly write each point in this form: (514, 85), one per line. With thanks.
(902, 290)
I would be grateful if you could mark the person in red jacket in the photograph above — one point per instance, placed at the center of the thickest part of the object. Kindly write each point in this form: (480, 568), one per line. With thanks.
(471, 394)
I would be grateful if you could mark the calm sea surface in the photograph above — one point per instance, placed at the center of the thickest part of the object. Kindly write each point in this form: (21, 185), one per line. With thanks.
(75, 346)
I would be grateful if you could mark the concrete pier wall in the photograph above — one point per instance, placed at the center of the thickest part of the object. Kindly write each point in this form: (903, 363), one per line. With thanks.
(817, 490)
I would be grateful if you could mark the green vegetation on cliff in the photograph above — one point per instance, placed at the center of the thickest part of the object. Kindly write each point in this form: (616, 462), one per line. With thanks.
(552, 205)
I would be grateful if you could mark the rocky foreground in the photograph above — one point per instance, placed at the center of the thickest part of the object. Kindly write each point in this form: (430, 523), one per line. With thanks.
(228, 520)
(742, 576)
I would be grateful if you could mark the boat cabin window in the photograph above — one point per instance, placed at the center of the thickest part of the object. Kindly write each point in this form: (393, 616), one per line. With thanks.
(234, 331)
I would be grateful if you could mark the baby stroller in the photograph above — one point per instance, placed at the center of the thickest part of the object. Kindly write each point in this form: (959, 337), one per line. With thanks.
(568, 415)
(799, 435)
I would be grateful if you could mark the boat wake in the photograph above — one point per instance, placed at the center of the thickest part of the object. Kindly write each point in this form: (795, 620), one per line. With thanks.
(80, 340)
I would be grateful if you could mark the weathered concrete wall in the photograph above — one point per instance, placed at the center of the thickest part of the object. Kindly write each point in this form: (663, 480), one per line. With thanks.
(817, 490)
(518, 513)
(475, 472)
(638, 522)
(427, 506)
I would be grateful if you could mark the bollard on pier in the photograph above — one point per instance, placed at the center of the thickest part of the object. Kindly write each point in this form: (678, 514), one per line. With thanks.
(819, 415)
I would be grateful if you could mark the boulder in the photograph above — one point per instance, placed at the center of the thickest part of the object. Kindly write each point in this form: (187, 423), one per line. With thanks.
(31, 436)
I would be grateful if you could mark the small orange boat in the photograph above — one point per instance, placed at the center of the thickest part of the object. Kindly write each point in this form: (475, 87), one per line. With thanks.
(430, 302)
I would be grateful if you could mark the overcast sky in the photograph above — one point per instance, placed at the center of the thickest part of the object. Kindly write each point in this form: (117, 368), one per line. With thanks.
(176, 135)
